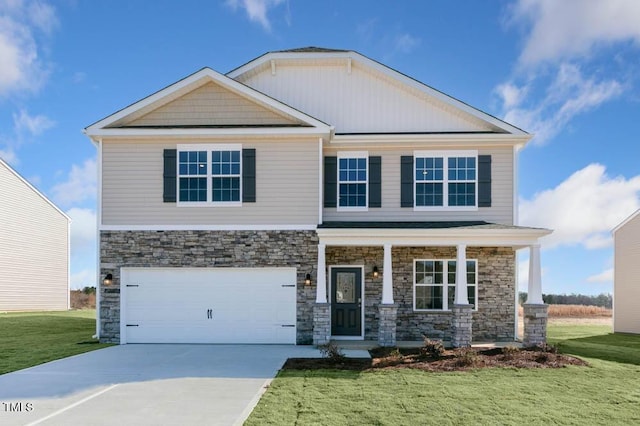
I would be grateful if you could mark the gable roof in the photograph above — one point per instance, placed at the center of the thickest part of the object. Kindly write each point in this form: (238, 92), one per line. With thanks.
(313, 52)
(33, 188)
(115, 124)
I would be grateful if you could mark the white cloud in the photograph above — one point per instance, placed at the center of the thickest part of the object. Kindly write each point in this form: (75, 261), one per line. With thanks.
(568, 95)
(9, 156)
(79, 186)
(573, 28)
(34, 124)
(22, 69)
(83, 229)
(603, 277)
(583, 209)
(257, 10)
(82, 279)
(406, 43)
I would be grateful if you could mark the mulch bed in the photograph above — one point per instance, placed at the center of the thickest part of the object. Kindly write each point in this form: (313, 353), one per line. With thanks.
(450, 360)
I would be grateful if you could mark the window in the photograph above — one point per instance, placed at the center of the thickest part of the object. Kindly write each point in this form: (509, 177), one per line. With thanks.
(446, 179)
(434, 284)
(226, 175)
(209, 174)
(352, 181)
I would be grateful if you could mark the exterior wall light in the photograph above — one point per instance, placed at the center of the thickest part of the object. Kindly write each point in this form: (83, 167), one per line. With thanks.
(108, 279)
(307, 279)
(376, 273)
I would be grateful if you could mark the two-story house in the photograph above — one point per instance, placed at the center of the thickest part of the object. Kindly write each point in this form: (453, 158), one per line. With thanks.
(309, 195)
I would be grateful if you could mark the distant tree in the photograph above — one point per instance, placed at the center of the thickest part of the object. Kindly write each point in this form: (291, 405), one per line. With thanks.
(522, 297)
(89, 290)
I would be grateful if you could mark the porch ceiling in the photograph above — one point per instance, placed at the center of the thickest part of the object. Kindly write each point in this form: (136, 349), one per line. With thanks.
(451, 233)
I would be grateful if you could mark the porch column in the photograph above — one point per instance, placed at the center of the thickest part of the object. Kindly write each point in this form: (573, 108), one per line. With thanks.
(321, 286)
(388, 311)
(461, 311)
(321, 310)
(387, 277)
(535, 311)
(534, 293)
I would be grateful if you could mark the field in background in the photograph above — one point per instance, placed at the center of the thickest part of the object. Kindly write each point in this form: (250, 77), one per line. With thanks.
(576, 311)
(80, 299)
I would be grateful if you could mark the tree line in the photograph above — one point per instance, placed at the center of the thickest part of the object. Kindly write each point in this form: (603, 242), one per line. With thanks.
(604, 300)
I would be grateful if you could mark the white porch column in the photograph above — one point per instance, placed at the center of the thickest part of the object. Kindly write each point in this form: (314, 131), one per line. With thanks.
(387, 277)
(461, 276)
(321, 285)
(534, 293)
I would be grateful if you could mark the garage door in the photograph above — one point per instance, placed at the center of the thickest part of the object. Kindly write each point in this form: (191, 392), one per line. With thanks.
(208, 305)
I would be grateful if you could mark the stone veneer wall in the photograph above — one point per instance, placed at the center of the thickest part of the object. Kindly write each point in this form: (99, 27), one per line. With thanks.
(247, 249)
(494, 319)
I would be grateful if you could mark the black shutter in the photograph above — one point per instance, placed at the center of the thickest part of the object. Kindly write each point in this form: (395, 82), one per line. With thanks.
(249, 175)
(330, 181)
(169, 176)
(406, 181)
(375, 181)
(484, 181)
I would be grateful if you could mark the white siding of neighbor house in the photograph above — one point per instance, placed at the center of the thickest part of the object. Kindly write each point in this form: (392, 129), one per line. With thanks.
(360, 101)
(286, 185)
(501, 210)
(211, 105)
(626, 291)
(34, 249)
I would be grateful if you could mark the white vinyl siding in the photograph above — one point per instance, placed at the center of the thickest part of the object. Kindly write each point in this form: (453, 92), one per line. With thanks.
(626, 293)
(34, 253)
(211, 105)
(362, 100)
(287, 186)
(501, 210)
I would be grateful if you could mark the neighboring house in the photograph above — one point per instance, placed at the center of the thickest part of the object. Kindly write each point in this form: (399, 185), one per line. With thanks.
(308, 195)
(626, 284)
(34, 248)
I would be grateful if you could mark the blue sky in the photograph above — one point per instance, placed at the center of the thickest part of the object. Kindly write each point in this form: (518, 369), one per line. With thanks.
(568, 71)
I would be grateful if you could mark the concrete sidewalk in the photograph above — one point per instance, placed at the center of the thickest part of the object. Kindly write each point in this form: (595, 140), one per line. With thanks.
(147, 385)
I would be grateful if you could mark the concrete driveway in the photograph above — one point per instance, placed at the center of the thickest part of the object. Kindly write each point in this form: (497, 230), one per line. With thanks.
(145, 385)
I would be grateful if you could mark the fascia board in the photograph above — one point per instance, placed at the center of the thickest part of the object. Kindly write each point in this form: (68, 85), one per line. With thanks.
(428, 237)
(193, 79)
(204, 132)
(482, 139)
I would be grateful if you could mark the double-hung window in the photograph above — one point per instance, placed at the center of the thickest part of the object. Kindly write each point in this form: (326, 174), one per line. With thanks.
(446, 179)
(209, 174)
(435, 284)
(352, 180)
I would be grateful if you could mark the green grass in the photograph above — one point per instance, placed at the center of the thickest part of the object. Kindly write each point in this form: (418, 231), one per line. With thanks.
(32, 338)
(607, 392)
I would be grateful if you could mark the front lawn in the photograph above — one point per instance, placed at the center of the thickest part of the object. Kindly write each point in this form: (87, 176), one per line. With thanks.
(607, 392)
(32, 338)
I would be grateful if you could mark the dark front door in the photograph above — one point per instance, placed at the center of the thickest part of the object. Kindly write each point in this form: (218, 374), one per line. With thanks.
(346, 303)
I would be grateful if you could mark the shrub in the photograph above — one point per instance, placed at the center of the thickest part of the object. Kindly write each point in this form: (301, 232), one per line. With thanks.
(510, 351)
(466, 357)
(332, 352)
(432, 348)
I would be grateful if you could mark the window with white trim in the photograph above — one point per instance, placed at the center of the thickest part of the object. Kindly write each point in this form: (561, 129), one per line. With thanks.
(209, 174)
(434, 284)
(446, 179)
(352, 180)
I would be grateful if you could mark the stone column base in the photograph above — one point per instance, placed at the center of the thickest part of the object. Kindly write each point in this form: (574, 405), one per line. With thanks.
(387, 325)
(461, 325)
(535, 324)
(321, 324)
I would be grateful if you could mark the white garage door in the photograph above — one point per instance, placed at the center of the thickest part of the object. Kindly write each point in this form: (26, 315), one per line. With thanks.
(208, 305)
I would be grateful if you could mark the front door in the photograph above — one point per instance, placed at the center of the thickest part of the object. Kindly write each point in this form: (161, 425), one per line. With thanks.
(346, 301)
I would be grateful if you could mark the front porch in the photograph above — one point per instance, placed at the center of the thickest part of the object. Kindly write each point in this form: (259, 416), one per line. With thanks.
(454, 305)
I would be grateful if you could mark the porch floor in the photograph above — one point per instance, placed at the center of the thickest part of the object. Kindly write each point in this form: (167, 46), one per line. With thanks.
(365, 345)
